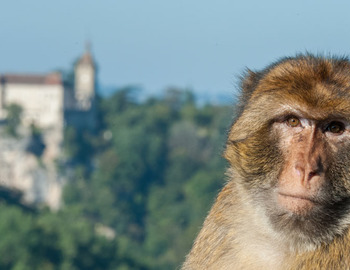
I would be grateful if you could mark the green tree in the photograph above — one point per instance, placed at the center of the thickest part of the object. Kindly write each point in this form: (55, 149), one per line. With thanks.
(157, 167)
(36, 144)
(62, 241)
(14, 113)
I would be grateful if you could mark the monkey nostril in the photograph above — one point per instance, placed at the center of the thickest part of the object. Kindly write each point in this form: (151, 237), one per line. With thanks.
(311, 175)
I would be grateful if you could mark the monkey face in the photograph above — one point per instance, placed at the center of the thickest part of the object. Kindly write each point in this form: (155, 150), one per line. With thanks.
(290, 146)
(308, 148)
(310, 196)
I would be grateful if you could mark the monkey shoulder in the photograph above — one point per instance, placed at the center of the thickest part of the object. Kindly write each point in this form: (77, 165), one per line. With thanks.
(335, 255)
(228, 241)
(213, 241)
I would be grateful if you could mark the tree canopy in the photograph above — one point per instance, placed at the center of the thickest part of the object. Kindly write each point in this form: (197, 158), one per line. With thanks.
(138, 189)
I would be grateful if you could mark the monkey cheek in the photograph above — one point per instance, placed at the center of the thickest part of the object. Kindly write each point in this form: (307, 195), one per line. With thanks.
(294, 204)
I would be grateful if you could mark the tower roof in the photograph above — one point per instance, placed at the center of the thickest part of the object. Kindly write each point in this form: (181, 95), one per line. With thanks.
(86, 58)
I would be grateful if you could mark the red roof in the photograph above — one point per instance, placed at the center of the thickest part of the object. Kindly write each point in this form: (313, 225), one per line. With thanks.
(50, 79)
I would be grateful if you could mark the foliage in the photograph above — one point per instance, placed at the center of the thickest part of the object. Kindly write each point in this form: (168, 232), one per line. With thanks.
(14, 112)
(55, 241)
(156, 173)
(36, 144)
(147, 177)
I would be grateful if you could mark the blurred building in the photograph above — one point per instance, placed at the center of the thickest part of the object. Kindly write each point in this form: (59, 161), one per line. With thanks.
(49, 103)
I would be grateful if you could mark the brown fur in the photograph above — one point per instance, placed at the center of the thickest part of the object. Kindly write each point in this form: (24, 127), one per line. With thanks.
(240, 232)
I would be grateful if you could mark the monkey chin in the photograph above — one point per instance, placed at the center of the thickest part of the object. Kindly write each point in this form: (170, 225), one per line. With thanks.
(305, 222)
(296, 204)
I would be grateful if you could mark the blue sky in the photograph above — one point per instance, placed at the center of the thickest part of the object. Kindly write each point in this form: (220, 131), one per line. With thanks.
(198, 44)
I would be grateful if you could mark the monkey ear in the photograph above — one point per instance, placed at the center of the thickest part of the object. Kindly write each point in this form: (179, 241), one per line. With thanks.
(249, 81)
(242, 126)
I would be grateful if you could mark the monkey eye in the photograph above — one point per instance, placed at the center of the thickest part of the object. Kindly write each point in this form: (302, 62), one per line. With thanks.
(335, 127)
(293, 121)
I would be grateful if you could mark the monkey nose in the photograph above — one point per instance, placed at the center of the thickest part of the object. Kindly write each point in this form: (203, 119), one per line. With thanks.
(307, 170)
(306, 173)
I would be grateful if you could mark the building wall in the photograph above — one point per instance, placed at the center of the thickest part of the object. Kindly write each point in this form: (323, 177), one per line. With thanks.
(42, 104)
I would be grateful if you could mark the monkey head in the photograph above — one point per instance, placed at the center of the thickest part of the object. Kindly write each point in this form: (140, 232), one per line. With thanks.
(289, 147)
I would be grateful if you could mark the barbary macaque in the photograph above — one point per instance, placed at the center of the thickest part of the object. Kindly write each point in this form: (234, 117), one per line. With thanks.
(287, 201)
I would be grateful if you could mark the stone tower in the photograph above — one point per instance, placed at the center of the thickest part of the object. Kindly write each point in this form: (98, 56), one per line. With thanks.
(85, 75)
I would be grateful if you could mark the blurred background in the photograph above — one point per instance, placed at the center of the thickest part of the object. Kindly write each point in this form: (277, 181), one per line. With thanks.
(113, 119)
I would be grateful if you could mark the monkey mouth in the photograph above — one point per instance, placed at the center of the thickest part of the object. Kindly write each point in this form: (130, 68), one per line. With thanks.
(295, 203)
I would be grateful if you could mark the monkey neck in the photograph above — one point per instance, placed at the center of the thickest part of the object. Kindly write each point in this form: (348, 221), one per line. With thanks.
(243, 233)
(255, 238)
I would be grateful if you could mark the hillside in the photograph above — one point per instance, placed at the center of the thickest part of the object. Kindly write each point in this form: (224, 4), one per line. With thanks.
(137, 188)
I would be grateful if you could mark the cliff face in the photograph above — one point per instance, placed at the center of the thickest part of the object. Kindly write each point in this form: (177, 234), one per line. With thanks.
(51, 102)
(35, 176)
